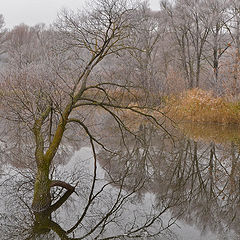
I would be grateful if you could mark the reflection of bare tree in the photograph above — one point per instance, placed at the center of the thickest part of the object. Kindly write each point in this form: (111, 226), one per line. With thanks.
(198, 181)
(97, 211)
(195, 181)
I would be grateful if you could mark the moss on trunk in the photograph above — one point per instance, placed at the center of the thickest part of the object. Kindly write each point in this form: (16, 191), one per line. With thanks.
(42, 198)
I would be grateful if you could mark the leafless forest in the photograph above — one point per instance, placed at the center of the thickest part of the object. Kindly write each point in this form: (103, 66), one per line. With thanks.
(185, 44)
(99, 77)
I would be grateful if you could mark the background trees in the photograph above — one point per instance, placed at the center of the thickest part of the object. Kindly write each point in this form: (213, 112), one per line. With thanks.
(107, 58)
(109, 66)
(54, 80)
(3, 32)
(186, 44)
(202, 33)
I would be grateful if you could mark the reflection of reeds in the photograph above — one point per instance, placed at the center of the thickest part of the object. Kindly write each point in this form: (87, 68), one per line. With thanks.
(197, 105)
(211, 132)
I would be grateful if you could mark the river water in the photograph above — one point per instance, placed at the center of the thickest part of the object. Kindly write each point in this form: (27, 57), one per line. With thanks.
(154, 185)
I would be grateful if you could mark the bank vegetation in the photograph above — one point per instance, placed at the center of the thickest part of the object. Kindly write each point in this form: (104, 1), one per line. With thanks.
(201, 106)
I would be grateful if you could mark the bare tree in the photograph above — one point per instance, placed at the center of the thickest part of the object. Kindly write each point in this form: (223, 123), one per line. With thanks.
(219, 39)
(232, 64)
(147, 35)
(48, 95)
(3, 32)
(190, 30)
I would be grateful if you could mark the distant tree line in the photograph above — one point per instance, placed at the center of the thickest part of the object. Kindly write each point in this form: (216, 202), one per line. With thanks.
(60, 84)
(186, 44)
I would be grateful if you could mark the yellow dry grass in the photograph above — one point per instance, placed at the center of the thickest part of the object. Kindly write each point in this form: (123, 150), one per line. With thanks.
(197, 105)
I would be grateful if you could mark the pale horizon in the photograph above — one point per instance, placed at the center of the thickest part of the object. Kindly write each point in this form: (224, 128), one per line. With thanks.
(32, 12)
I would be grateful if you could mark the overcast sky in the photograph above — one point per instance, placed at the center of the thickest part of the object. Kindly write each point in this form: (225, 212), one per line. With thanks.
(32, 12)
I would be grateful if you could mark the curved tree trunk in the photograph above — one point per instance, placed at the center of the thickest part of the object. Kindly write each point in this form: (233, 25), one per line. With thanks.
(42, 198)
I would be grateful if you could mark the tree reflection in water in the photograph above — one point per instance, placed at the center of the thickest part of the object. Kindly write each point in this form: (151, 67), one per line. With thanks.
(198, 181)
(130, 191)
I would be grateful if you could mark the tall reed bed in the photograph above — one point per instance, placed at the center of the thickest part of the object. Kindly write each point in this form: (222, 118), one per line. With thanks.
(197, 105)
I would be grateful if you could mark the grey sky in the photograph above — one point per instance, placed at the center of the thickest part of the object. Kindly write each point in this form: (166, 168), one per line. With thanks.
(32, 12)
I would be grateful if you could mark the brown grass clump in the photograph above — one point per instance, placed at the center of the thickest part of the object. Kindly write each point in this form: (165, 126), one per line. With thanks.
(197, 105)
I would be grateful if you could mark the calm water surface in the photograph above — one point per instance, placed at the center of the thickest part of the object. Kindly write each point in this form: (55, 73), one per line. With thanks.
(151, 186)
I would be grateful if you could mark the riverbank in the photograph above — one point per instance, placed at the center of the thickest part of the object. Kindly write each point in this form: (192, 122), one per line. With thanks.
(201, 106)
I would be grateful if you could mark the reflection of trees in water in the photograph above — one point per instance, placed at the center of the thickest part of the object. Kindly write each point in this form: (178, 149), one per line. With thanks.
(199, 181)
(96, 211)
(15, 193)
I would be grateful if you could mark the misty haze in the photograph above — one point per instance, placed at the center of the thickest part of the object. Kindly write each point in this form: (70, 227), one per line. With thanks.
(119, 121)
